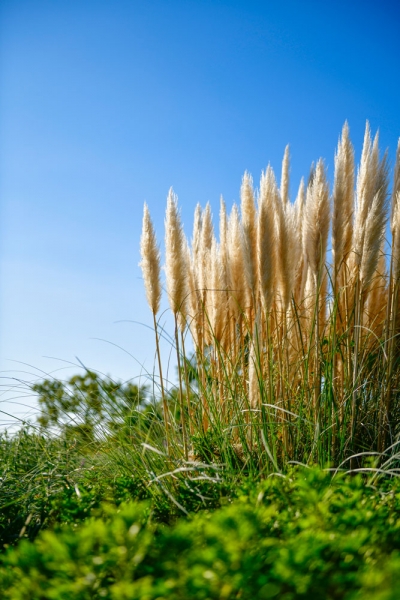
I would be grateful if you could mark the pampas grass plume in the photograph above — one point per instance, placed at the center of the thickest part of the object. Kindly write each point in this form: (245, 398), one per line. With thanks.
(301, 272)
(218, 306)
(150, 262)
(266, 242)
(236, 261)
(204, 249)
(175, 256)
(317, 220)
(366, 190)
(342, 202)
(284, 190)
(396, 239)
(396, 182)
(375, 224)
(249, 223)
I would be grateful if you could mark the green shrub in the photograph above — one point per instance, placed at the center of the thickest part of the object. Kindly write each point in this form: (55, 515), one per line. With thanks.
(86, 406)
(304, 536)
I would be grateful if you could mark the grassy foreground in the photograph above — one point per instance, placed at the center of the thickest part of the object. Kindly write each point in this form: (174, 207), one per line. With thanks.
(86, 513)
(300, 536)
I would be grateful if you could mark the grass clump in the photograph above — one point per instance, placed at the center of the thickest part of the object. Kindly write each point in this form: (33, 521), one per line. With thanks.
(293, 315)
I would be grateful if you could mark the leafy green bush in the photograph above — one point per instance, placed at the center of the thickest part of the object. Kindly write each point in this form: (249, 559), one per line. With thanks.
(88, 404)
(304, 536)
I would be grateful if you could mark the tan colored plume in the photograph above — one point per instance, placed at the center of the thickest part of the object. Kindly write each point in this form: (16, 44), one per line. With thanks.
(150, 262)
(266, 242)
(204, 260)
(343, 204)
(218, 306)
(223, 243)
(196, 232)
(175, 256)
(366, 189)
(375, 224)
(396, 184)
(249, 238)
(316, 231)
(284, 189)
(396, 239)
(301, 272)
(236, 261)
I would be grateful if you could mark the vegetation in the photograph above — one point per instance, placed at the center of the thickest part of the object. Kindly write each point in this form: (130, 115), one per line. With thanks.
(270, 470)
(303, 536)
(297, 350)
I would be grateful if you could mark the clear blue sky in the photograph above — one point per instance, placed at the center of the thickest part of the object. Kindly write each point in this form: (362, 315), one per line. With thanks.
(104, 105)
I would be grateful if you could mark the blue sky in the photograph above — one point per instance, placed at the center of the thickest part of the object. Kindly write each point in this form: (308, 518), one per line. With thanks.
(105, 105)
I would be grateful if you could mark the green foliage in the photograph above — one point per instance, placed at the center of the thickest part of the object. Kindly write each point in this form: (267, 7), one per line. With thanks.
(303, 536)
(87, 405)
(110, 512)
(47, 480)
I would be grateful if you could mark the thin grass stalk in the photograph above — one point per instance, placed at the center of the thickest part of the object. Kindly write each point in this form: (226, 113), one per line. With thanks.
(187, 384)
(163, 396)
(317, 375)
(393, 294)
(391, 352)
(357, 330)
(150, 265)
(271, 398)
(342, 225)
(181, 396)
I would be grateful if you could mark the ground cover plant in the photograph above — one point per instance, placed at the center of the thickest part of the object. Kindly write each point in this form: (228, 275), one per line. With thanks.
(302, 536)
(270, 469)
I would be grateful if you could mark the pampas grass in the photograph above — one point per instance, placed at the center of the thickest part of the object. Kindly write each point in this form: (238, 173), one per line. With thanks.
(249, 237)
(343, 206)
(266, 242)
(176, 269)
(150, 265)
(150, 262)
(297, 351)
(284, 189)
(175, 256)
